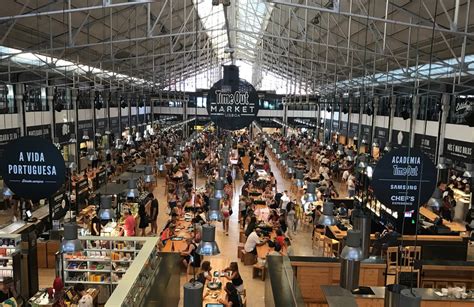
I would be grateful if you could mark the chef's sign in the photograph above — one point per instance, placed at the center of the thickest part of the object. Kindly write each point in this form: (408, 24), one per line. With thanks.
(232, 107)
(404, 177)
(33, 167)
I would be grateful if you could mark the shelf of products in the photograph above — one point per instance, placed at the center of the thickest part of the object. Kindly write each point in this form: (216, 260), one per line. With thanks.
(103, 261)
(9, 247)
(136, 283)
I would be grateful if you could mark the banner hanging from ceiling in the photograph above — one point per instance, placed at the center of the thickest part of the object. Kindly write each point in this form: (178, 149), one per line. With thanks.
(404, 177)
(232, 103)
(33, 168)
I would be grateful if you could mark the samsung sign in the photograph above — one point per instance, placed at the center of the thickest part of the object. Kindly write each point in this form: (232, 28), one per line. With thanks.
(33, 167)
(232, 103)
(404, 177)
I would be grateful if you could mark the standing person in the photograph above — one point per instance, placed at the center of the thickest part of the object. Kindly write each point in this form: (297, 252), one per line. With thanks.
(143, 219)
(128, 226)
(273, 182)
(85, 299)
(285, 199)
(243, 210)
(298, 215)
(226, 210)
(290, 219)
(351, 186)
(155, 209)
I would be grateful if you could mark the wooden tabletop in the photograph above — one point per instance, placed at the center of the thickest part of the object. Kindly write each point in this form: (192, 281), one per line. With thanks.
(182, 245)
(212, 296)
(454, 226)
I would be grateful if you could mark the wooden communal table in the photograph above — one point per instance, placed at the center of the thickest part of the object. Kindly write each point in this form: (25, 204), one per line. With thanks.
(181, 245)
(213, 296)
(454, 226)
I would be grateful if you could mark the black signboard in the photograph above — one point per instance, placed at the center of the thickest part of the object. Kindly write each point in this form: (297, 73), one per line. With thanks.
(404, 177)
(458, 151)
(114, 125)
(100, 179)
(125, 123)
(43, 131)
(63, 132)
(101, 125)
(267, 122)
(354, 131)
(56, 210)
(232, 107)
(344, 128)
(33, 167)
(82, 192)
(335, 126)
(328, 124)
(84, 127)
(462, 107)
(366, 132)
(400, 139)
(427, 144)
(7, 135)
(381, 134)
(133, 121)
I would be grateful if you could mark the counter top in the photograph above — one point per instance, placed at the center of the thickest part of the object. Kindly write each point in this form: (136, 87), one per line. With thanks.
(331, 292)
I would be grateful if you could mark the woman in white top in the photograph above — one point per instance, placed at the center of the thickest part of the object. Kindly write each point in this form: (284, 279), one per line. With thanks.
(225, 208)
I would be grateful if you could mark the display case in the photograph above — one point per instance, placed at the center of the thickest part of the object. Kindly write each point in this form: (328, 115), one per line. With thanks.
(10, 256)
(104, 261)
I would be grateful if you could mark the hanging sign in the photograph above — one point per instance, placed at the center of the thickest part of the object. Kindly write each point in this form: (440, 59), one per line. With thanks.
(458, 150)
(344, 128)
(232, 107)
(43, 131)
(400, 138)
(114, 125)
(7, 135)
(427, 144)
(101, 125)
(354, 131)
(33, 167)
(404, 177)
(63, 131)
(381, 134)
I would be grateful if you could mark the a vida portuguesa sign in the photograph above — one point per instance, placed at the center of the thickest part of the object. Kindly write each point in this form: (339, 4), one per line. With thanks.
(32, 167)
(404, 177)
(232, 107)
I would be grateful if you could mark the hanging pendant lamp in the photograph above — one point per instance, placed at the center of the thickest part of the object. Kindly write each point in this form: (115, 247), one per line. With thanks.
(149, 177)
(219, 189)
(327, 218)
(70, 242)
(131, 191)
(214, 213)
(208, 245)
(160, 164)
(299, 176)
(106, 213)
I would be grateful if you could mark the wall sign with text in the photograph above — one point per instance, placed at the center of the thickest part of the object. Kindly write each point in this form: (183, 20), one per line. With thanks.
(232, 107)
(43, 131)
(404, 177)
(427, 144)
(33, 167)
(459, 151)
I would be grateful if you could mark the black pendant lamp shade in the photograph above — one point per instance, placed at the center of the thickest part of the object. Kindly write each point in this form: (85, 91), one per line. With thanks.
(149, 177)
(299, 176)
(193, 294)
(352, 249)
(132, 191)
(215, 213)
(219, 189)
(327, 218)
(106, 213)
(70, 242)
(208, 245)
(310, 195)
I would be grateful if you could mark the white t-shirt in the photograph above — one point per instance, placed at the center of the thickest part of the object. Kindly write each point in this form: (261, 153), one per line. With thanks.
(86, 301)
(284, 201)
(345, 175)
(251, 242)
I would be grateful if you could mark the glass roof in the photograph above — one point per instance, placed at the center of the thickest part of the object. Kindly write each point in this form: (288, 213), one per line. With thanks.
(213, 20)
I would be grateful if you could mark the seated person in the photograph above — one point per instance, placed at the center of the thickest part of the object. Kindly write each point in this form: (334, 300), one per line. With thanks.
(205, 273)
(167, 233)
(232, 298)
(253, 241)
(280, 238)
(389, 237)
(235, 277)
(276, 250)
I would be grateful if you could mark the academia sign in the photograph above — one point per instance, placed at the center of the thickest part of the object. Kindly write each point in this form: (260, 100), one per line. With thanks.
(232, 107)
(404, 177)
(33, 168)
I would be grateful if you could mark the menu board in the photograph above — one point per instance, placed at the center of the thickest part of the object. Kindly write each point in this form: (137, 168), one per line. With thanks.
(366, 132)
(335, 126)
(354, 131)
(101, 178)
(114, 125)
(43, 131)
(343, 128)
(84, 126)
(82, 192)
(124, 122)
(381, 134)
(458, 150)
(427, 144)
(7, 135)
(56, 210)
(101, 125)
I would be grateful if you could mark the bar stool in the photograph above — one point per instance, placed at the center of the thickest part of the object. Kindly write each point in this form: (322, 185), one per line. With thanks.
(331, 247)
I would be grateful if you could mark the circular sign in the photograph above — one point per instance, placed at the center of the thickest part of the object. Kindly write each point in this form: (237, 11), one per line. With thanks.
(404, 177)
(33, 167)
(232, 107)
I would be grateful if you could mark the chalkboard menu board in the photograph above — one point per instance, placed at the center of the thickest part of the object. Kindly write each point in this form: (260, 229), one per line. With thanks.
(427, 144)
(354, 131)
(56, 210)
(100, 178)
(458, 151)
(82, 192)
